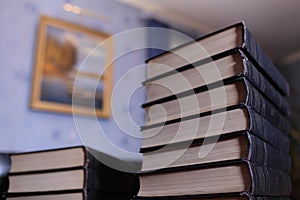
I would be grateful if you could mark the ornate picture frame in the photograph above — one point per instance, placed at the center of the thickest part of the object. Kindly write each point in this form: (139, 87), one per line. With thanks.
(72, 72)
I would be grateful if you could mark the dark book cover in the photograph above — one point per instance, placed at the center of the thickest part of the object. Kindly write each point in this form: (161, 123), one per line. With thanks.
(255, 53)
(101, 177)
(4, 170)
(258, 101)
(258, 56)
(264, 181)
(255, 99)
(259, 151)
(258, 126)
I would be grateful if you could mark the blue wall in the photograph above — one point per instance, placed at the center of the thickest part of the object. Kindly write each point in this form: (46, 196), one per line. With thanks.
(22, 129)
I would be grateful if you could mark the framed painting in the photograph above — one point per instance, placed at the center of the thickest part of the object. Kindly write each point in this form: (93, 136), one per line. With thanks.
(72, 72)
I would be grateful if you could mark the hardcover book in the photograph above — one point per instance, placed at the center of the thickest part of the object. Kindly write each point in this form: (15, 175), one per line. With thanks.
(200, 100)
(228, 177)
(237, 146)
(231, 37)
(216, 124)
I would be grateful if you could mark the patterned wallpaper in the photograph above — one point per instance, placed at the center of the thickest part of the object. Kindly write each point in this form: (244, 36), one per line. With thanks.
(23, 129)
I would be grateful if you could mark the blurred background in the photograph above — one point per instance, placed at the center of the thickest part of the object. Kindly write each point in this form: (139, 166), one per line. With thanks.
(274, 24)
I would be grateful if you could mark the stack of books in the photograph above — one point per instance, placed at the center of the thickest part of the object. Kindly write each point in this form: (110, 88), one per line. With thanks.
(67, 174)
(216, 122)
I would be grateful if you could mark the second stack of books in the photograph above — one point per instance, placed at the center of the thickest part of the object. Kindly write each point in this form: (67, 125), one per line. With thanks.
(67, 174)
(216, 126)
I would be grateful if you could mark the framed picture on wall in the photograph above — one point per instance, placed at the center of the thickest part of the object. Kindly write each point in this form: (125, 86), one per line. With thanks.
(72, 72)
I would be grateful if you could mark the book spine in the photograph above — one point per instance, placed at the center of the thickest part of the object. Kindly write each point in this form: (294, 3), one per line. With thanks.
(265, 87)
(102, 178)
(264, 154)
(5, 165)
(267, 132)
(4, 184)
(267, 67)
(269, 182)
(264, 107)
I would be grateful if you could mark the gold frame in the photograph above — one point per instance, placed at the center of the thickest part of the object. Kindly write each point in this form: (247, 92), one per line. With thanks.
(46, 66)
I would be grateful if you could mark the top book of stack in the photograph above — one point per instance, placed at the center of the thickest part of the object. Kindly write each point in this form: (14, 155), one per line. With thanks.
(212, 47)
